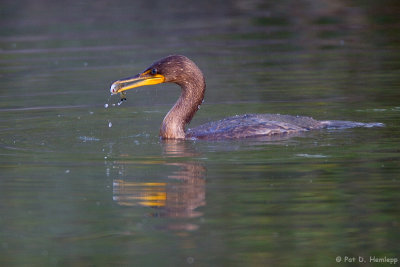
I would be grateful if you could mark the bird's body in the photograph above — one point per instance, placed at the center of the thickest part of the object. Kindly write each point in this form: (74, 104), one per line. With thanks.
(184, 72)
(253, 125)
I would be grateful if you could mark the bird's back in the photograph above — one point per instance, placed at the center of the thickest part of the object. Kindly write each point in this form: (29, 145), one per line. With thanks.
(253, 125)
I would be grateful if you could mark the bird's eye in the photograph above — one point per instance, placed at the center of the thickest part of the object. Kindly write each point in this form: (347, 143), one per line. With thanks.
(153, 71)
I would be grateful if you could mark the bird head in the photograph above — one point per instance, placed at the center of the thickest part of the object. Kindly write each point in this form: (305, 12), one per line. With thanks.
(175, 69)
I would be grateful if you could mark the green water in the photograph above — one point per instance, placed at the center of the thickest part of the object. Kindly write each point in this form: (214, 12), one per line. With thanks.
(85, 185)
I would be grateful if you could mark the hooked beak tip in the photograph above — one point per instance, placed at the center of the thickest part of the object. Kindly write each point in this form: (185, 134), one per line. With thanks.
(113, 89)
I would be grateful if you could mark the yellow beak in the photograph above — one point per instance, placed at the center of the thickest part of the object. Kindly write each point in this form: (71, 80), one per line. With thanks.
(141, 79)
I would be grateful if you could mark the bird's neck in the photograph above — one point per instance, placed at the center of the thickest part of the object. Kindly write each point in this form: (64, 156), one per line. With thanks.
(192, 95)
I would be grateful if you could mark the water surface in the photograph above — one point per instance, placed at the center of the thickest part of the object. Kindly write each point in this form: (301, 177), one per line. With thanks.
(82, 184)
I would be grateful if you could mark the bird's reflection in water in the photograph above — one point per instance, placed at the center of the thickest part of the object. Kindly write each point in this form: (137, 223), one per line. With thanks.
(177, 197)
